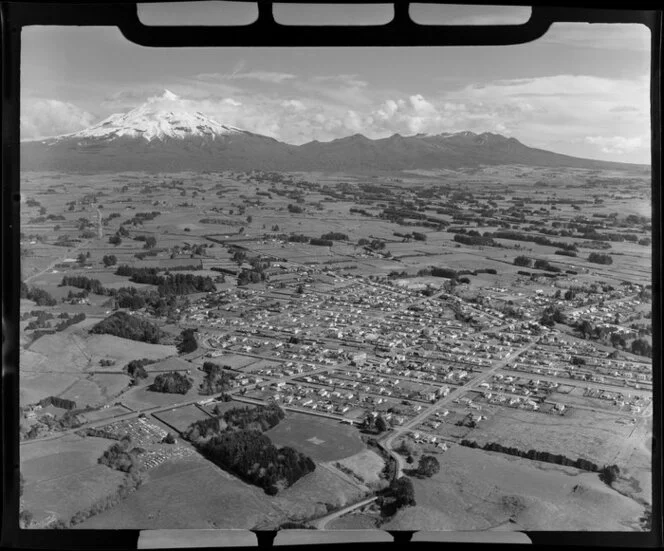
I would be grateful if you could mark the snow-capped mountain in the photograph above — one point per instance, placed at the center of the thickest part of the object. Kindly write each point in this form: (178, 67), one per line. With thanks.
(167, 134)
(159, 118)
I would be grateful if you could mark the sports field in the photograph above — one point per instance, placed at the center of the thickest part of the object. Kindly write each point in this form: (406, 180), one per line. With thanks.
(320, 438)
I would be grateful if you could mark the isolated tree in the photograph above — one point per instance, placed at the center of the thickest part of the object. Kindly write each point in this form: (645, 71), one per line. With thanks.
(428, 466)
(188, 342)
(641, 347)
(381, 424)
(609, 474)
(150, 242)
(110, 260)
(522, 261)
(115, 239)
(250, 219)
(403, 492)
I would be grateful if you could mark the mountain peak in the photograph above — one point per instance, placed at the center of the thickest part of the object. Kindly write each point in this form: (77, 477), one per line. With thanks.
(163, 117)
(169, 95)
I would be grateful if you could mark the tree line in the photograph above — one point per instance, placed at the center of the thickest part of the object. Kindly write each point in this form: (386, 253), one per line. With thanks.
(536, 455)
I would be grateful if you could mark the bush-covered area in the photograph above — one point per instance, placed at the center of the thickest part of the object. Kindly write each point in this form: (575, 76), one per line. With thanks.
(252, 456)
(216, 379)
(298, 238)
(127, 326)
(136, 368)
(76, 318)
(250, 276)
(82, 282)
(203, 429)
(535, 455)
(129, 485)
(599, 258)
(475, 240)
(334, 236)
(236, 443)
(539, 239)
(260, 418)
(171, 383)
(57, 402)
(565, 253)
(321, 242)
(119, 457)
(523, 260)
(39, 296)
(542, 264)
(169, 284)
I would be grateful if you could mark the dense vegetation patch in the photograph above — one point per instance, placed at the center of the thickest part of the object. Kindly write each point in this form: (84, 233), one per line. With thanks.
(171, 383)
(237, 444)
(127, 326)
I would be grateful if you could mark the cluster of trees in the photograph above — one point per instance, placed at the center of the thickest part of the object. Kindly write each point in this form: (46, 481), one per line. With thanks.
(252, 456)
(128, 485)
(136, 369)
(609, 474)
(141, 217)
(599, 258)
(321, 242)
(168, 284)
(542, 264)
(171, 383)
(42, 318)
(260, 418)
(216, 379)
(126, 326)
(298, 238)
(149, 240)
(295, 209)
(400, 493)
(428, 466)
(565, 253)
(76, 318)
(82, 282)
(58, 402)
(204, 429)
(641, 347)
(535, 455)
(38, 296)
(539, 239)
(119, 457)
(188, 342)
(475, 240)
(375, 424)
(99, 433)
(334, 236)
(245, 277)
(109, 260)
(236, 443)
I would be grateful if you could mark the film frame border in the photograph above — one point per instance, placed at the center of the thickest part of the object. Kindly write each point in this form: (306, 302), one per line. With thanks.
(401, 31)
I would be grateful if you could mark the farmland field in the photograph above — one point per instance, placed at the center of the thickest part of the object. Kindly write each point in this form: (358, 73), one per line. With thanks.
(479, 490)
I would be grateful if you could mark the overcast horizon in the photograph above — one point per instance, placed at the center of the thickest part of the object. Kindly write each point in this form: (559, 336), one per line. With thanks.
(580, 90)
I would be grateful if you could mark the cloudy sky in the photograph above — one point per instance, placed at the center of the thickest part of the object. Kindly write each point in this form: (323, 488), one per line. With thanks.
(581, 90)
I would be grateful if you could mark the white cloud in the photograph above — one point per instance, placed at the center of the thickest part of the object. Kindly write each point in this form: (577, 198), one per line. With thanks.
(41, 118)
(609, 36)
(616, 144)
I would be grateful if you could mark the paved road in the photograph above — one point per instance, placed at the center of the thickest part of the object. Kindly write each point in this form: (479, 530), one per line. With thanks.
(470, 385)
(69, 254)
(321, 523)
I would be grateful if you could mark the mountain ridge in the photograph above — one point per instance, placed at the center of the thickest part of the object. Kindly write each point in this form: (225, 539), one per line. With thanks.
(164, 135)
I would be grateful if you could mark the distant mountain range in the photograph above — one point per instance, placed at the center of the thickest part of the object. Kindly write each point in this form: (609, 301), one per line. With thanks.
(163, 135)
